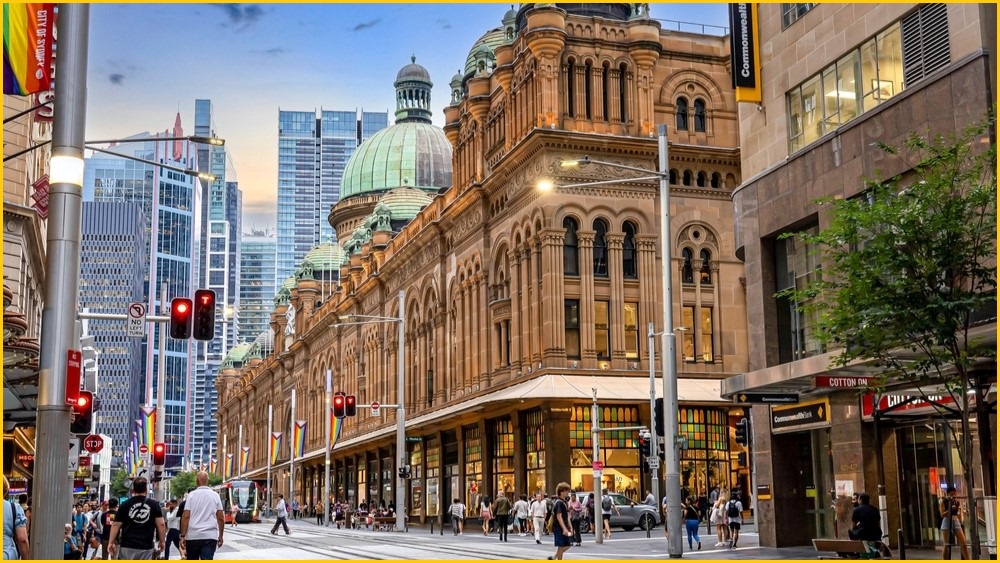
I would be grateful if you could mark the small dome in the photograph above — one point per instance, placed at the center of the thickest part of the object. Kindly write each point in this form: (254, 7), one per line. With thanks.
(404, 203)
(413, 71)
(406, 154)
(289, 284)
(236, 356)
(326, 257)
(482, 50)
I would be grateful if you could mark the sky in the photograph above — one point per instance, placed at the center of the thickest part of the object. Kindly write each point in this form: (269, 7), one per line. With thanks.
(146, 62)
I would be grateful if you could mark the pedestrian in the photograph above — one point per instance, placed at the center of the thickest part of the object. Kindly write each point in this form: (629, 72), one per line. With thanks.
(692, 518)
(15, 527)
(650, 499)
(338, 513)
(575, 517)
(107, 518)
(734, 514)
(952, 518)
(713, 496)
(562, 530)
(719, 519)
(295, 509)
(536, 511)
(457, 516)
(138, 521)
(591, 513)
(173, 527)
(91, 540)
(607, 505)
(486, 514)
(203, 521)
(71, 549)
(521, 515)
(501, 511)
(79, 524)
(319, 513)
(234, 512)
(280, 516)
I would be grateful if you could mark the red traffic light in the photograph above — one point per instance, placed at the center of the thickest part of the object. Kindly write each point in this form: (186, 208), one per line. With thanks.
(159, 448)
(82, 420)
(82, 401)
(182, 307)
(338, 405)
(159, 453)
(180, 318)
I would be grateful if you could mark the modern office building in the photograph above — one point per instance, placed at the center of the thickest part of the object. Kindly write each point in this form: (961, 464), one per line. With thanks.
(258, 256)
(837, 81)
(519, 302)
(218, 270)
(112, 269)
(313, 149)
(169, 201)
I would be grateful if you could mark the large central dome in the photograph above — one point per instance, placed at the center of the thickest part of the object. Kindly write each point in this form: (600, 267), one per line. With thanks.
(416, 155)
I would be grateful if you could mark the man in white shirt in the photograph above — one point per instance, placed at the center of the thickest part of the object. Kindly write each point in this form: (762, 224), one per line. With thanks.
(281, 516)
(202, 522)
(536, 511)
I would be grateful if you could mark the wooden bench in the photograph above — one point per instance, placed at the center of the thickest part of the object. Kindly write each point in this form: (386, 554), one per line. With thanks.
(848, 549)
(386, 523)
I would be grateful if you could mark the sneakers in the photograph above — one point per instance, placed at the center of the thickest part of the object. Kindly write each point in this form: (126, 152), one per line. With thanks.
(699, 544)
(538, 541)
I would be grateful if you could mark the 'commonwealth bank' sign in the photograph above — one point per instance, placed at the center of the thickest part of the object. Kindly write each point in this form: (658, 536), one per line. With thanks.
(744, 51)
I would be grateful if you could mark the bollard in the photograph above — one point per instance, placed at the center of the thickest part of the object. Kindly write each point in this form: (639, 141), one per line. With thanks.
(648, 529)
(901, 547)
(433, 520)
(441, 524)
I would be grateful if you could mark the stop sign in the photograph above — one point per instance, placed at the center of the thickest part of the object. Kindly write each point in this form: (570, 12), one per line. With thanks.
(143, 449)
(93, 444)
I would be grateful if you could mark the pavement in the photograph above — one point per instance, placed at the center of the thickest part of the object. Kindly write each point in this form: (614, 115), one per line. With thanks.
(309, 541)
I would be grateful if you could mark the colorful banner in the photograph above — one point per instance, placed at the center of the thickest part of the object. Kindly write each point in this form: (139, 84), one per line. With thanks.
(299, 440)
(275, 446)
(227, 469)
(336, 426)
(213, 466)
(244, 459)
(27, 47)
(134, 450)
(147, 426)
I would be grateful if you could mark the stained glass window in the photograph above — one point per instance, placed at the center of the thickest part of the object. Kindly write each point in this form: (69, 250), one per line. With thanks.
(611, 416)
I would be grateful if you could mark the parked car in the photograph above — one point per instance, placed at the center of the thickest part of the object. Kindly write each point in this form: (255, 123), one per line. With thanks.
(632, 514)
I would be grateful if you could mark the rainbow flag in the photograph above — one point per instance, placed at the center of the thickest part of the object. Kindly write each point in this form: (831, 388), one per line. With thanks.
(213, 465)
(134, 449)
(299, 439)
(147, 424)
(28, 30)
(244, 459)
(227, 470)
(336, 426)
(275, 446)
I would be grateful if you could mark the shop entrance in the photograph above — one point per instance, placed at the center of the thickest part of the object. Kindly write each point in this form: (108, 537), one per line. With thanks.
(803, 483)
(928, 463)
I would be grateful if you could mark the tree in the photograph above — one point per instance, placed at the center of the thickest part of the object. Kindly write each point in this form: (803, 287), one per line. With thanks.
(909, 275)
(118, 488)
(184, 481)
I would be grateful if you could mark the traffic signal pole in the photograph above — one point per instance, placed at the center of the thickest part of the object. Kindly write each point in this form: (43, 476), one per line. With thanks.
(160, 393)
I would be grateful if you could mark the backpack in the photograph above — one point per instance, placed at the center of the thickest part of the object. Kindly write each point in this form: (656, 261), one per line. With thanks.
(606, 503)
(731, 510)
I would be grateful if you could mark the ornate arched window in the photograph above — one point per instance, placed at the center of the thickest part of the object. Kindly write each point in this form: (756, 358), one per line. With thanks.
(688, 176)
(687, 273)
(629, 269)
(682, 114)
(702, 179)
(699, 115)
(600, 248)
(571, 251)
(706, 268)
(623, 92)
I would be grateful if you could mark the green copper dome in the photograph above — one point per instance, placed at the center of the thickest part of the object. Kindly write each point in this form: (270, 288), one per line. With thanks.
(326, 257)
(237, 355)
(404, 203)
(289, 284)
(481, 55)
(409, 154)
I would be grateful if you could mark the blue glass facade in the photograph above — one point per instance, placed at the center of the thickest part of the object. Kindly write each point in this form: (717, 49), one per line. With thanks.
(312, 153)
(257, 289)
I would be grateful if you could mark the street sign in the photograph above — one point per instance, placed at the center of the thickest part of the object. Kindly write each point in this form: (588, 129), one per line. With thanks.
(84, 461)
(93, 444)
(74, 455)
(848, 382)
(143, 449)
(653, 462)
(767, 398)
(74, 359)
(375, 408)
(136, 320)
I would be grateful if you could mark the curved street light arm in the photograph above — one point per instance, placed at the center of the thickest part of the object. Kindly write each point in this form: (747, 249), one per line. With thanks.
(200, 175)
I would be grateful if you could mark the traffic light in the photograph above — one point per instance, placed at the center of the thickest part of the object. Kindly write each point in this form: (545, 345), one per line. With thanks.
(644, 446)
(204, 314)
(350, 405)
(741, 459)
(82, 413)
(339, 405)
(159, 453)
(180, 318)
(743, 432)
(658, 418)
(404, 472)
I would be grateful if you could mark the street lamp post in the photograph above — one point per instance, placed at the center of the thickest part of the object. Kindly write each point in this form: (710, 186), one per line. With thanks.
(671, 471)
(400, 393)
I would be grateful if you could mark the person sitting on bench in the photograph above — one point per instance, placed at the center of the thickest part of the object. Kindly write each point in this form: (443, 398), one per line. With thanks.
(867, 521)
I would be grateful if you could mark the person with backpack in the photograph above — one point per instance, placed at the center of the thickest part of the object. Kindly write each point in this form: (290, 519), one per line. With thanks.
(734, 513)
(607, 505)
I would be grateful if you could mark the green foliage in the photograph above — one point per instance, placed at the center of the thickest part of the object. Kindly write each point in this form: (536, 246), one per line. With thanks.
(118, 488)
(214, 479)
(181, 483)
(908, 265)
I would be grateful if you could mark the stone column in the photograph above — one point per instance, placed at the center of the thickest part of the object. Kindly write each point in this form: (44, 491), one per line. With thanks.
(553, 325)
(484, 328)
(558, 452)
(536, 300)
(515, 309)
(616, 307)
(587, 351)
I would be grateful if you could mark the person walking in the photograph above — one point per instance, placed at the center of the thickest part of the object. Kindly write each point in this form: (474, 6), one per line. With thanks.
(501, 511)
(107, 518)
(734, 514)
(591, 513)
(607, 505)
(173, 528)
(457, 516)
(536, 511)
(295, 509)
(952, 518)
(719, 519)
(575, 517)
(234, 511)
(692, 518)
(562, 530)
(280, 516)
(137, 522)
(521, 515)
(203, 521)
(319, 513)
(486, 514)
(15, 527)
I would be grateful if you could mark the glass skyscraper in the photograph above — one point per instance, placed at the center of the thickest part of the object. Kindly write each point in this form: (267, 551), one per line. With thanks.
(312, 153)
(257, 289)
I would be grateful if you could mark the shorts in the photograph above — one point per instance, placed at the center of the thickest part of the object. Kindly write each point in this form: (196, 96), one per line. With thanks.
(734, 526)
(560, 539)
(956, 524)
(606, 517)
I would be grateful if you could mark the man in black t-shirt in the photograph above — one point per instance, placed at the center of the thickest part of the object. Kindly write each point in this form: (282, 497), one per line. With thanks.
(107, 519)
(867, 520)
(138, 520)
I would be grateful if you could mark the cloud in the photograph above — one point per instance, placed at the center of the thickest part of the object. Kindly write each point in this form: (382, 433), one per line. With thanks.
(366, 25)
(116, 78)
(272, 52)
(241, 15)
(445, 24)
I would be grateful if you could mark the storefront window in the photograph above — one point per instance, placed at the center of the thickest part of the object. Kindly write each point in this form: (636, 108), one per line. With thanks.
(373, 476)
(503, 456)
(473, 466)
(705, 461)
(535, 451)
(618, 450)
(433, 473)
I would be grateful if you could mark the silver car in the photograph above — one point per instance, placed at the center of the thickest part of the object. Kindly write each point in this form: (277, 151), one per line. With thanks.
(630, 514)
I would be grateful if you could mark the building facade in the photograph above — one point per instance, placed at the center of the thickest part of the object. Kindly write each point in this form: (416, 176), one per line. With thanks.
(169, 201)
(313, 149)
(258, 260)
(837, 80)
(519, 304)
(112, 268)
